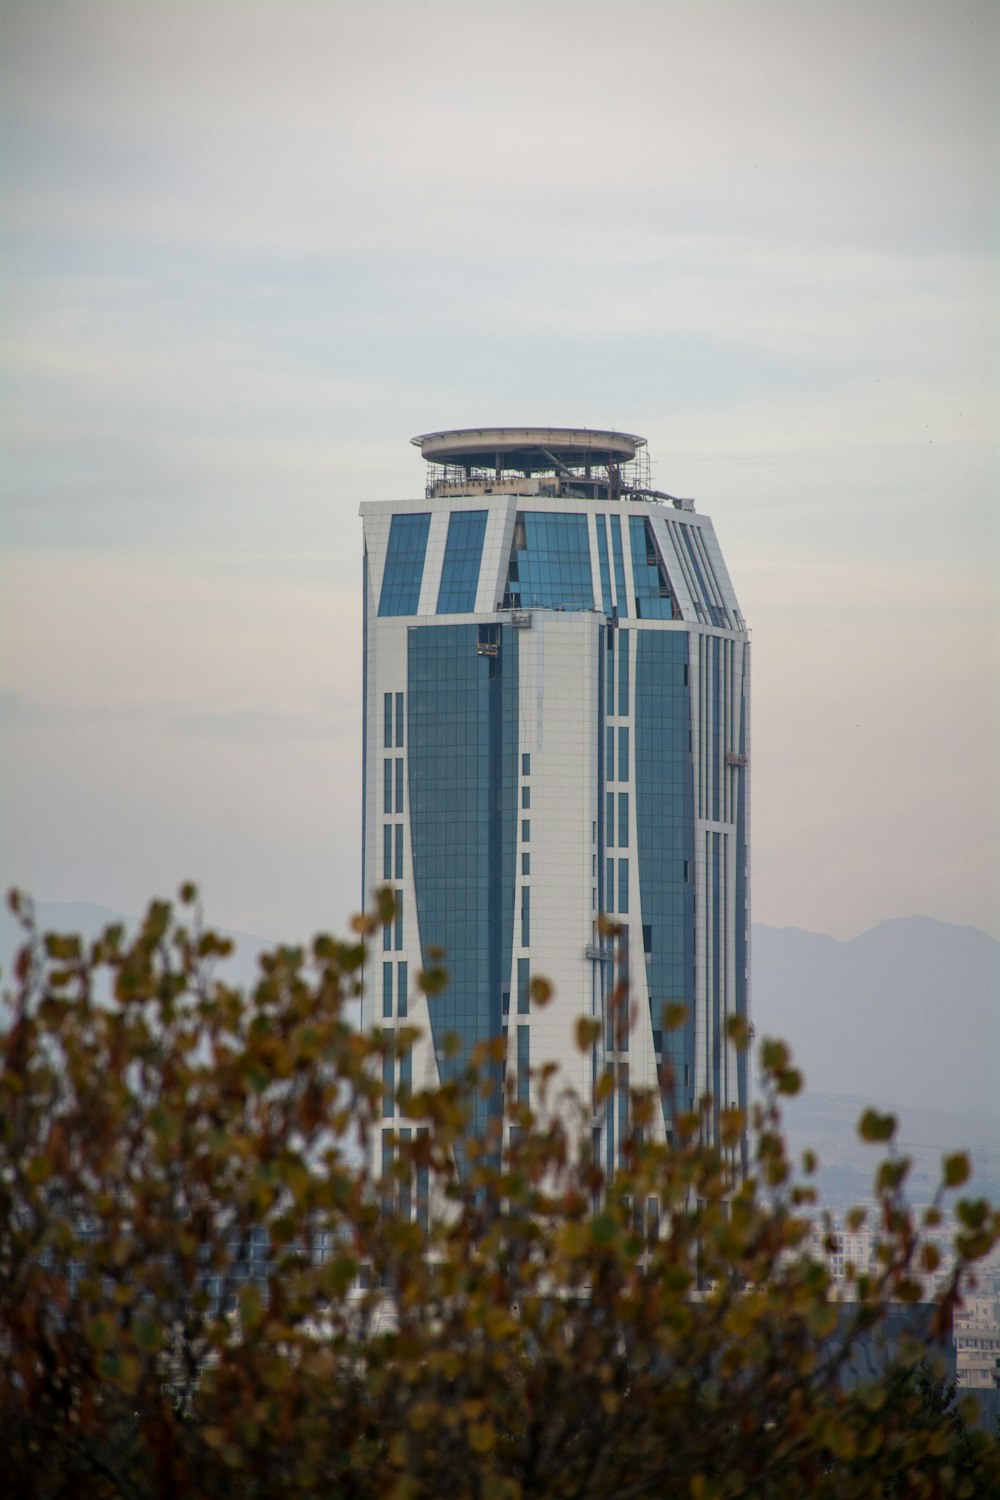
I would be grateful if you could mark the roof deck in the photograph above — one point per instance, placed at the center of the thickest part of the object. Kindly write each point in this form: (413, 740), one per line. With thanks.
(595, 463)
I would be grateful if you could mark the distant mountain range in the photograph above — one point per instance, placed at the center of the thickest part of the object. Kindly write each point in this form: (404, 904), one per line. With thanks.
(906, 1016)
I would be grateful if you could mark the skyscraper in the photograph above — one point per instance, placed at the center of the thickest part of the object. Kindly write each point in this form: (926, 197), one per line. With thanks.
(555, 688)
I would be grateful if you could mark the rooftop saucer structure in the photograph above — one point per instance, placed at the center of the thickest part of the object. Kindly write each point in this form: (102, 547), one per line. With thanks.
(581, 463)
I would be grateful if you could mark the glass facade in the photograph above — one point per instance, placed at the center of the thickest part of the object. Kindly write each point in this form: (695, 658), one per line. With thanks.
(664, 793)
(616, 548)
(602, 553)
(404, 565)
(653, 599)
(462, 556)
(550, 563)
(462, 767)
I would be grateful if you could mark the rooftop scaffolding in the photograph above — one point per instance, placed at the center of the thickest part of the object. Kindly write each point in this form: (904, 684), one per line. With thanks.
(581, 462)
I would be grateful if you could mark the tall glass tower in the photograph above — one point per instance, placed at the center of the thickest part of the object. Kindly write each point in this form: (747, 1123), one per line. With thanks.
(556, 686)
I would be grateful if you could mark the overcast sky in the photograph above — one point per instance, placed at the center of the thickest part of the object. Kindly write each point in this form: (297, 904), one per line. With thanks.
(251, 249)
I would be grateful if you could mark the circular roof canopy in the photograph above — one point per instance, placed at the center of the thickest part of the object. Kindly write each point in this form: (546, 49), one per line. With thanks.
(529, 449)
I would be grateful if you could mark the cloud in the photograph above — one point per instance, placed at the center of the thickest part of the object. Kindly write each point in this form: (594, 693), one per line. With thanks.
(347, 128)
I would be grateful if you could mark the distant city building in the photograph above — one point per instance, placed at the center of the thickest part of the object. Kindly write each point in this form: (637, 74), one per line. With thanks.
(977, 1343)
(555, 721)
(849, 1253)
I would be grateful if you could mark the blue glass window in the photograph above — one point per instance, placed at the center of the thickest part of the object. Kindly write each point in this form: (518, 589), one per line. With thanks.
(399, 784)
(387, 989)
(665, 831)
(404, 564)
(526, 764)
(388, 1081)
(388, 718)
(387, 852)
(525, 830)
(423, 1192)
(525, 916)
(611, 755)
(623, 819)
(523, 1063)
(609, 818)
(406, 1070)
(622, 1107)
(526, 796)
(602, 554)
(399, 720)
(523, 1005)
(696, 565)
(402, 987)
(462, 555)
(623, 885)
(623, 755)
(550, 563)
(462, 777)
(616, 548)
(399, 921)
(398, 862)
(387, 786)
(653, 599)
(611, 885)
(623, 639)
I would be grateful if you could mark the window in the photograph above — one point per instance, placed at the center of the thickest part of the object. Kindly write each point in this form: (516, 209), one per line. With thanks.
(388, 719)
(550, 563)
(616, 548)
(387, 786)
(386, 990)
(525, 830)
(389, 1079)
(623, 761)
(523, 987)
(609, 890)
(525, 764)
(406, 1070)
(523, 1064)
(623, 673)
(602, 553)
(526, 796)
(609, 818)
(423, 1191)
(623, 819)
(399, 720)
(398, 871)
(525, 864)
(462, 556)
(399, 921)
(653, 599)
(402, 988)
(611, 755)
(387, 852)
(623, 885)
(399, 784)
(404, 564)
(525, 916)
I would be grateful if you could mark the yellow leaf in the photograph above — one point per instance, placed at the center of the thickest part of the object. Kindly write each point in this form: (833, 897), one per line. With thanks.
(482, 1437)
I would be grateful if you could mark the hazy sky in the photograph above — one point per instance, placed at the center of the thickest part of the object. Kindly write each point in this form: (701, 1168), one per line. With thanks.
(251, 249)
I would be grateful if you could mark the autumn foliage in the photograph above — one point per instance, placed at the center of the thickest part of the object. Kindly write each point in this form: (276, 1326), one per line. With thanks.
(203, 1293)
